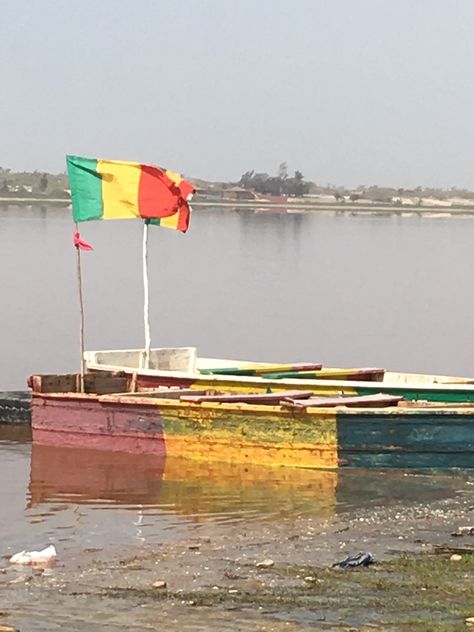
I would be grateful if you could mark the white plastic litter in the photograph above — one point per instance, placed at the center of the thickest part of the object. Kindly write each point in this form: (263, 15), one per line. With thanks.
(46, 556)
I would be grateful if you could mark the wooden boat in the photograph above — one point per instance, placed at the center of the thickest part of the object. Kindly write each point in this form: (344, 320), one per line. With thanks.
(284, 431)
(180, 367)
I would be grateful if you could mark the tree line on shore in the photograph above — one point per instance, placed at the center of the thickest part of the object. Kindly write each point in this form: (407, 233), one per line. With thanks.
(43, 184)
(281, 184)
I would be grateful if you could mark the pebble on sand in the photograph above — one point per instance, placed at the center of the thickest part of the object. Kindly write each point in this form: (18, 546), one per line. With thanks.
(267, 563)
(160, 584)
(469, 530)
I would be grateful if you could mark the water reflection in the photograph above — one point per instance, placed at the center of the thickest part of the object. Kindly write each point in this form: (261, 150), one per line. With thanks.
(220, 492)
(93, 476)
(217, 491)
(89, 498)
(15, 433)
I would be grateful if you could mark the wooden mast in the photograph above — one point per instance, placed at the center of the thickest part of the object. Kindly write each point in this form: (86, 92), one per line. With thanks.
(81, 308)
(146, 299)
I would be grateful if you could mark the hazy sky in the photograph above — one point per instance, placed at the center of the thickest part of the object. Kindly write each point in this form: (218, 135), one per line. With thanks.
(349, 91)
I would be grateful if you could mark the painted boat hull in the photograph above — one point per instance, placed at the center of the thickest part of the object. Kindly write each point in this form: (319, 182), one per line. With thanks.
(409, 437)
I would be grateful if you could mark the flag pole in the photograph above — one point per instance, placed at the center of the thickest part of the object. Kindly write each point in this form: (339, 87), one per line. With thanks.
(81, 308)
(146, 301)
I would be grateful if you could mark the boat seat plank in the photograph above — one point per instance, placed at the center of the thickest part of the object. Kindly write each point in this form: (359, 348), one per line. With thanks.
(359, 375)
(249, 398)
(378, 400)
(164, 393)
(256, 369)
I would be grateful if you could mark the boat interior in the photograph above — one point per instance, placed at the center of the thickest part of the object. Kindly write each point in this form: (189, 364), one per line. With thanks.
(185, 361)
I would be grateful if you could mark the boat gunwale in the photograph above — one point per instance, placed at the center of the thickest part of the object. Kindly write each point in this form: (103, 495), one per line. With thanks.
(138, 400)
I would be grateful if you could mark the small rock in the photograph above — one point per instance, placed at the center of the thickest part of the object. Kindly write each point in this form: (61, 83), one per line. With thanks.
(455, 557)
(267, 563)
(463, 531)
(159, 584)
(310, 579)
(8, 628)
(470, 621)
(233, 591)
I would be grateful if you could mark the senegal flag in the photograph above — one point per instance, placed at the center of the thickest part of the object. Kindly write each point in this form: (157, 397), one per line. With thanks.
(113, 189)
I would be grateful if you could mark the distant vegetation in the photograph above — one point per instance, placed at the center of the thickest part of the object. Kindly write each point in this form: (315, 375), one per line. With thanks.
(252, 185)
(34, 184)
(282, 184)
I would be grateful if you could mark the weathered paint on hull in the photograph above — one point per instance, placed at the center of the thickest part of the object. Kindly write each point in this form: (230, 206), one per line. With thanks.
(269, 435)
(199, 432)
(429, 439)
(83, 421)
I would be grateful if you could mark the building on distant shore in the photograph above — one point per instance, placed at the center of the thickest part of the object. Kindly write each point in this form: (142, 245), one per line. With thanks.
(238, 193)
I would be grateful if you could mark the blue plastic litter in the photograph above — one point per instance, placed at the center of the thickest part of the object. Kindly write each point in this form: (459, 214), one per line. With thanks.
(352, 561)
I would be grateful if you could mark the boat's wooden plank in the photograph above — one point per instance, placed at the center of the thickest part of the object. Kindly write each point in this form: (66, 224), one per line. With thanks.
(165, 393)
(99, 383)
(362, 375)
(417, 403)
(256, 369)
(252, 398)
(362, 401)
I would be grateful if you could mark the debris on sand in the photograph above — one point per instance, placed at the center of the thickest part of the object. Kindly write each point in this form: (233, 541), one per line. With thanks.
(352, 561)
(45, 556)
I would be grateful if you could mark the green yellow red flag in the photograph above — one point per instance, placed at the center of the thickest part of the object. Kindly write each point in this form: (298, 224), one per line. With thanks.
(113, 189)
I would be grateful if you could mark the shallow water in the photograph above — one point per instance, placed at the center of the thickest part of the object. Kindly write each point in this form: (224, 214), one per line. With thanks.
(79, 498)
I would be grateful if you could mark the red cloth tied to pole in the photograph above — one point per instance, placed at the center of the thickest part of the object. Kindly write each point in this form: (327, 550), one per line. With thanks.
(79, 243)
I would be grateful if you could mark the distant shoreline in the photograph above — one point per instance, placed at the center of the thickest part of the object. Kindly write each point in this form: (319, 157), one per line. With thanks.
(293, 207)
(31, 200)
